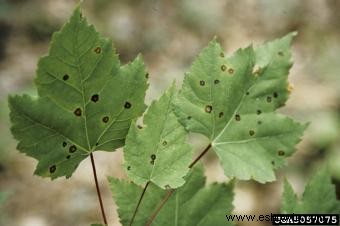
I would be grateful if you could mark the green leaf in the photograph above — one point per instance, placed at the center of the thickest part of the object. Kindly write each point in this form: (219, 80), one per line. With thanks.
(192, 204)
(157, 152)
(319, 196)
(233, 101)
(3, 196)
(86, 100)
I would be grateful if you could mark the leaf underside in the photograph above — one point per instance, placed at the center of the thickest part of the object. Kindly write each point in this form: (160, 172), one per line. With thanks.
(319, 196)
(86, 100)
(232, 101)
(192, 204)
(157, 151)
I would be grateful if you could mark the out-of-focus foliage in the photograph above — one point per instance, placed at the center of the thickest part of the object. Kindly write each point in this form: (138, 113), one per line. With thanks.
(319, 196)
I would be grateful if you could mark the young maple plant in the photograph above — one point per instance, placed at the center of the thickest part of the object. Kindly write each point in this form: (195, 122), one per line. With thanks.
(88, 102)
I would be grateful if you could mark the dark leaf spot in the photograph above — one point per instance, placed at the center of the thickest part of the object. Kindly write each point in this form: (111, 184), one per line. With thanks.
(66, 77)
(223, 67)
(129, 167)
(231, 71)
(258, 112)
(208, 108)
(189, 117)
(77, 112)
(167, 187)
(98, 50)
(147, 75)
(153, 156)
(97, 144)
(273, 163)
(139, 127)
(202, 83)
(95, 98)
(152, 162)
(127, 105)
(275, 95)
(220, 115)
(269, 99)
(281, 153)
(247, 93)
(165, 143)
(64, 144)
(217, 81)
(237, 117)
(221, 54)
(72, 149)
(259, 122)
(251, 132)
(68, 157)
(105, 119)
(53, 168)
(280, 53)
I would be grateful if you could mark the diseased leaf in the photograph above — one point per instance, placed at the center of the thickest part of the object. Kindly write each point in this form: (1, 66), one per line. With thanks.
(319, 197)
(157, 152)
(233, 101)
(192, 204)
(86, 100)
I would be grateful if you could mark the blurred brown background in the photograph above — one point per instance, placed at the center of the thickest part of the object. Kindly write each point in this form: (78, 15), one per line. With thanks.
(169, 34)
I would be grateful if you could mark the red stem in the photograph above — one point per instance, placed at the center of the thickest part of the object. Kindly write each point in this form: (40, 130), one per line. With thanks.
(139, 202)
(168, 195)
(98, 190)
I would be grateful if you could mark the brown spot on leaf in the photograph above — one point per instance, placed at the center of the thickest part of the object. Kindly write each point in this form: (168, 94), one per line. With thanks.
(237, 117)
(98, 50)
(66, 77)
(208, 108)
(139, 127)
(281, 153)
(153, 156)
(105, 119)
(231, 71)
(127, 105)
(202, 83)
(251, 132)
(217, 81)
(95, 98)
(72, 149)
(256, 70)
(269, 99)
(165, 143)
(223, 67)
(220, 115)
(77, 112)
(53, 168)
